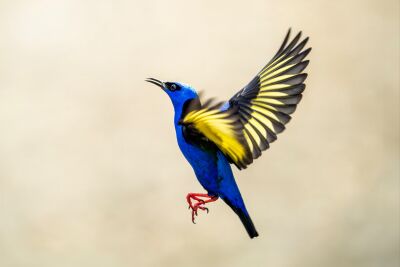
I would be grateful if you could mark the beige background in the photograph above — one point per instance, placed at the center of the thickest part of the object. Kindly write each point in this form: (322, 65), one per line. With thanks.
(90, 172)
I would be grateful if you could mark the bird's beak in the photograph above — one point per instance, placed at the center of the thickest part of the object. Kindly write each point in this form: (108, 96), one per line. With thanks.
(156, 82)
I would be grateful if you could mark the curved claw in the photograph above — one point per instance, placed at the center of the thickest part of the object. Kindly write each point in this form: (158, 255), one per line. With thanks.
(193, 217)
(199, 204)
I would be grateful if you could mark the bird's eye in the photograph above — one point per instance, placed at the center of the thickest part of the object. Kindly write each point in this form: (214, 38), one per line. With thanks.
(172, 87)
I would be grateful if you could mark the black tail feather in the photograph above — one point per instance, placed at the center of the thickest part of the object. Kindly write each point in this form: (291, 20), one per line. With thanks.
(245, 218)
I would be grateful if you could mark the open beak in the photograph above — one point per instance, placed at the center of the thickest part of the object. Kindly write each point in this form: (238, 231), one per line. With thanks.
(156, 82)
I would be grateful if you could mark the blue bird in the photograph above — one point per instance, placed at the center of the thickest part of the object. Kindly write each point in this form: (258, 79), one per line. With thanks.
(214, 136)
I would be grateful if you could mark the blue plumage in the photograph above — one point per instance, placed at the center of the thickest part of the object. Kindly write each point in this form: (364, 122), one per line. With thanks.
(212, 137)
(210, 166)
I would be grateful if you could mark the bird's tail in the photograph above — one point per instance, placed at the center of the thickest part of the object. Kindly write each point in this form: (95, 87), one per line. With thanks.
(244, 217)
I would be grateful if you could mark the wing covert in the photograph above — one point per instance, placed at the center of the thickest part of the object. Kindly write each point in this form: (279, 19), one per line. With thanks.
(222, 128)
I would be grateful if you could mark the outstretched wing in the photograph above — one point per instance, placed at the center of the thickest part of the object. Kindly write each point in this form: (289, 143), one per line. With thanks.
(264, 105)
(222, 128)
(252, 118)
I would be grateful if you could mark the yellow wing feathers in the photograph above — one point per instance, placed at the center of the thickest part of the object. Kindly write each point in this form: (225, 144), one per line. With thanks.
(222, 128)
(258, 112)
(265, 103)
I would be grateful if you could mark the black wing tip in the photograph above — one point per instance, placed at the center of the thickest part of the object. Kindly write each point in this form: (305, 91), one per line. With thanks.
(298, 35)
(296, 38)
(289, 31)
(307, 51)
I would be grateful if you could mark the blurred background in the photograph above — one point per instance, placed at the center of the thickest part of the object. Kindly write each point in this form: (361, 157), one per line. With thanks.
(90, 172)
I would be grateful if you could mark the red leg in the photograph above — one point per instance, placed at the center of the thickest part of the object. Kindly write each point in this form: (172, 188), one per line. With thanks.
(200, 202)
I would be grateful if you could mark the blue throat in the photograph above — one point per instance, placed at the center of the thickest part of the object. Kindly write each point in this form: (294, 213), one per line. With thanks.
(179, 99)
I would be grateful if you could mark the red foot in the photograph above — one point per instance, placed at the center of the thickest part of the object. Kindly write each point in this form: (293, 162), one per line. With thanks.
(200, 202)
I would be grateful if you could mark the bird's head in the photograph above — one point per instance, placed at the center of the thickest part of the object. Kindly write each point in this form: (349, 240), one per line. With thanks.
(179, 93)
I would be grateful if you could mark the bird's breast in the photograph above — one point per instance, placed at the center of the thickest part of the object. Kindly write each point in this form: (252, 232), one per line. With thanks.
(203, 162)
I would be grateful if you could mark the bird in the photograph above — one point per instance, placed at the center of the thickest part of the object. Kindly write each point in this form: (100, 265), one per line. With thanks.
(213, 136)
